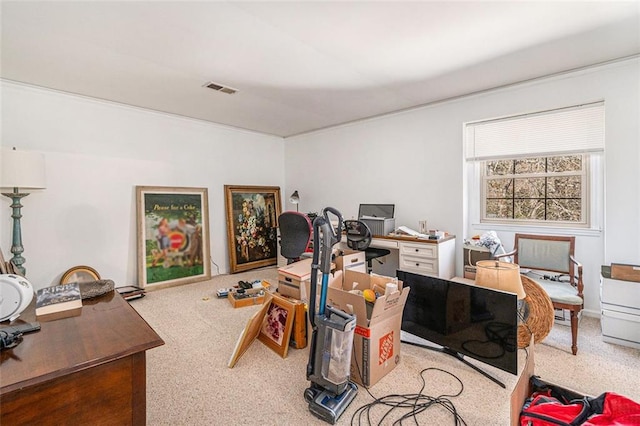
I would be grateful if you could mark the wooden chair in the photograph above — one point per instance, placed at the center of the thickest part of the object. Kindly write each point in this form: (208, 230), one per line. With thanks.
(551, 263)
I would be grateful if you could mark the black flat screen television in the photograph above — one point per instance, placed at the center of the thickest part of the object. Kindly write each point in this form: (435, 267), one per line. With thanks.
(463, 319)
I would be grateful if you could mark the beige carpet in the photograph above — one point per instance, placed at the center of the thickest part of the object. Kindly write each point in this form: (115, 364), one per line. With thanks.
(189, 383)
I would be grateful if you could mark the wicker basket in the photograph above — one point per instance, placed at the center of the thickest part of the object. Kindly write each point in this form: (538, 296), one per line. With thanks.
(540, 318)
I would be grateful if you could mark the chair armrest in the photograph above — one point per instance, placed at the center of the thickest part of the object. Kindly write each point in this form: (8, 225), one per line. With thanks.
(575, 262)
(580, 284)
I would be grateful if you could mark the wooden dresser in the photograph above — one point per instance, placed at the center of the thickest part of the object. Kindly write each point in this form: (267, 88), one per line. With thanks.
(85, 369)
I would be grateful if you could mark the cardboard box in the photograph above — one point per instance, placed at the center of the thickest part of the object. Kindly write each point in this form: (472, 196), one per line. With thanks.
(625, 272)
(291, 277)
(376, 342)
(470, 272)
(522, 389)
(352, 260)
(299, 331)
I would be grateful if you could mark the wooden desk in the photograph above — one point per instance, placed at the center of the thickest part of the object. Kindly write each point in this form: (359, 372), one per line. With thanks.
(425, 257)
(87, 369)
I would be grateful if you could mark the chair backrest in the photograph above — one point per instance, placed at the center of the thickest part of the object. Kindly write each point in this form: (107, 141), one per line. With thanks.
(295, 234)
(545, 252)
(358, 234)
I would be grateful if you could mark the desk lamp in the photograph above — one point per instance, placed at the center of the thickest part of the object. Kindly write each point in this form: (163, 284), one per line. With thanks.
(21, 171)
(295, 198)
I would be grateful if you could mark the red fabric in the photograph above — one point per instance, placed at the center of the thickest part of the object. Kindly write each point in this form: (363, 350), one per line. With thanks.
(551, 408)
(618, 410)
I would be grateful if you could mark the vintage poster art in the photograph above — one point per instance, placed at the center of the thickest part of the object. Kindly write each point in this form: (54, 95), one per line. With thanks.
(173, 235)
(252, 226)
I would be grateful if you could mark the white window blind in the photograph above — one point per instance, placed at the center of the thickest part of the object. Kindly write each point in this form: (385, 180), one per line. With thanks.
(567, 130)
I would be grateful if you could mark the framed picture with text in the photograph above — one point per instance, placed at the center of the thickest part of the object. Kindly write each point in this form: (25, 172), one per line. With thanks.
(252, 226)
(173, 235)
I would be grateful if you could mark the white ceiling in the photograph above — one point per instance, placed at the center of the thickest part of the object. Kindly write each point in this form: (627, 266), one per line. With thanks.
(301, 66)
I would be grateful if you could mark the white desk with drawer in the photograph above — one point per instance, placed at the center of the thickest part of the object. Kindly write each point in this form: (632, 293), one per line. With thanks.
(426, 257)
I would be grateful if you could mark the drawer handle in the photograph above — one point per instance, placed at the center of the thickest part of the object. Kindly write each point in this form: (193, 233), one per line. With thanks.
(417, 250)
(417, 264)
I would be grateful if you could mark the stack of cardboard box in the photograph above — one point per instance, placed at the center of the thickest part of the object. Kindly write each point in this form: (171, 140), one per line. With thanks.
(377, 335)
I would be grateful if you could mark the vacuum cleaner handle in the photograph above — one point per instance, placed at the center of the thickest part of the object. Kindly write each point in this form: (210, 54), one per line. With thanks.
(322, 253)
(336, 233)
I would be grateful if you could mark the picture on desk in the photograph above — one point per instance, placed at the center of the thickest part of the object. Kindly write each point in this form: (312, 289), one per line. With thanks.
(173, 235)
(252, 226)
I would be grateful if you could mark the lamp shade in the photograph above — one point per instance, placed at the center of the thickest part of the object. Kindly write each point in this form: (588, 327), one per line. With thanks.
(22, 169)
(500, 276)
(295, 198)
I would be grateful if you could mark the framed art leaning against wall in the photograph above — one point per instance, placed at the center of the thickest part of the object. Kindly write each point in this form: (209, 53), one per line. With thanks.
(173, 235)
(252, 226)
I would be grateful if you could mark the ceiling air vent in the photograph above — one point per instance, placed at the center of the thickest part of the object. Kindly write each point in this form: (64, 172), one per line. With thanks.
(220, 88)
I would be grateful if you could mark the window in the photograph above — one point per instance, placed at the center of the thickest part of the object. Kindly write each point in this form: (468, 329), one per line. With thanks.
(537, 169)
(536, 189)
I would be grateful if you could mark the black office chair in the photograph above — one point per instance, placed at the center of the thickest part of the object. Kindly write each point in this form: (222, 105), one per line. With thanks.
(359, 237)
(295, 234)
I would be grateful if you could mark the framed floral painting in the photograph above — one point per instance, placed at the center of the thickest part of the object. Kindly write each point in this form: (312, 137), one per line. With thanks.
(173, 235)
(252, 226)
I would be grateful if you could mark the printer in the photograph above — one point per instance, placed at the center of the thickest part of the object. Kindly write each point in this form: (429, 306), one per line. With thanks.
(378, 217)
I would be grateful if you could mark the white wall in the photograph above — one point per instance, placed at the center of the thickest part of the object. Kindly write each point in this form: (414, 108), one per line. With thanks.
(414, 159)
(96, 153)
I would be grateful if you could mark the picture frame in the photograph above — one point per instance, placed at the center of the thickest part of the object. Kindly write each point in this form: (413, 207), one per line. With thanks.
(275, 331)
(250, 331)
(252, 226)
(173, 235)
(79, 274)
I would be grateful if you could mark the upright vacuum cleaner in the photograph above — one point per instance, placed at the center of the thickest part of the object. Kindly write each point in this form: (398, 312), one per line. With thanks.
(331, 391)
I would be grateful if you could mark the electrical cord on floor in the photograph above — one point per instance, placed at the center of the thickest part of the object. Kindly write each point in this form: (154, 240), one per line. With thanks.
(216, 265)
(408, 406)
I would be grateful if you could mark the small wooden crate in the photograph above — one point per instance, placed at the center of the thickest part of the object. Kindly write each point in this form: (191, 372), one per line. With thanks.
(253, 296)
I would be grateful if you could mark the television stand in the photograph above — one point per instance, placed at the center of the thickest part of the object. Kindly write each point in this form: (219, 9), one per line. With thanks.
(458, 356)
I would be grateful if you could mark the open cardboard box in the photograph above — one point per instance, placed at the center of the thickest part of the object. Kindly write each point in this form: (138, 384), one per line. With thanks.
(376, 342)
(291, 277)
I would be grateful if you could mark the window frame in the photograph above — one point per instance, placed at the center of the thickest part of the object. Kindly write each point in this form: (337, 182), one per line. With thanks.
(585, 192)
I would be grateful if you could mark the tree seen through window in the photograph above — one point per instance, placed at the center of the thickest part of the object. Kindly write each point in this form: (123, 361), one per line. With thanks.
(535, 189)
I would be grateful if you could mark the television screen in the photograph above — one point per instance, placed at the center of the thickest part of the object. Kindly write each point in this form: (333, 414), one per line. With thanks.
(478, 322)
